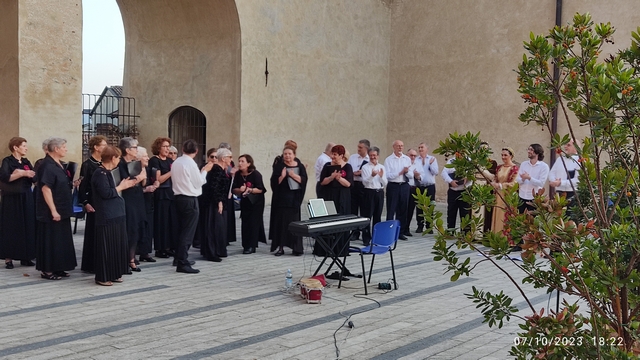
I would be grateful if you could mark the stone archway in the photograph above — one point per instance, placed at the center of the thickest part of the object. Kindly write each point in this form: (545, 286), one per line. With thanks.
(183, 52)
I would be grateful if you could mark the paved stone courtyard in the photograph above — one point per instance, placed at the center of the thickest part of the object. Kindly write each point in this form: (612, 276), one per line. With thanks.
(236, 309)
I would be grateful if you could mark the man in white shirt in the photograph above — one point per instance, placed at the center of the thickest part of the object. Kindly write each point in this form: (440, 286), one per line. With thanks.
(374, 180)
(356, 161)
(187, 183)
(531, 176)
(397, 171)
(428, 181)
(455, 204)
(324, 158)
(418, 173)
(564, 172)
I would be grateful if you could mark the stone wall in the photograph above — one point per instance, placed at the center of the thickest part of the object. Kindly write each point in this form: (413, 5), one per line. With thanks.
(9, 72)
(183, 53)
(328, 76)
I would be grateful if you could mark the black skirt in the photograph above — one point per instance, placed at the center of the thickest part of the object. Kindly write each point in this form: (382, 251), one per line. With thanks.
(252, 215)
(215, 244)
(112, 251)
(281, 217)
(89, 244)
(54, 246)
(17, 226)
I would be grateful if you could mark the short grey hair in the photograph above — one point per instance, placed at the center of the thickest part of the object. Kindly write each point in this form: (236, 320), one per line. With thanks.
(222, 152)
(224, 145)
(55, 142)
(374, 148)
(173, 149)
(141, 152)
(45, 144)
(127, 143)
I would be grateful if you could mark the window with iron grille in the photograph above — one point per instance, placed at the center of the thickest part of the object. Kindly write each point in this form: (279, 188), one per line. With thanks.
(186, 123)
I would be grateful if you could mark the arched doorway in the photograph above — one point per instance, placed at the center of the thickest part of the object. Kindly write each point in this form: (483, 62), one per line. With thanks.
(187, 122)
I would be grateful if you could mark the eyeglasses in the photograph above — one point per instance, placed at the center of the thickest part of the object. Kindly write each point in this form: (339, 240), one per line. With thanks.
(165, 146)
(212, 157)
(412, 155)
(133, 147)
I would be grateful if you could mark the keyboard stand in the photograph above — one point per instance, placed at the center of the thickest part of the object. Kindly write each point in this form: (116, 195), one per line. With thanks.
(325, 242)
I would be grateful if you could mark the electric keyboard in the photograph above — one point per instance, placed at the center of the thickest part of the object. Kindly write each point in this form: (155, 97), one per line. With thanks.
(328, 225)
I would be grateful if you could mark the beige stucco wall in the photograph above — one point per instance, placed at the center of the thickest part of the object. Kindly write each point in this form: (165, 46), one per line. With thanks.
(50, 58)
(9, 72)
(328, 76)
(183, 53)
(452, 65)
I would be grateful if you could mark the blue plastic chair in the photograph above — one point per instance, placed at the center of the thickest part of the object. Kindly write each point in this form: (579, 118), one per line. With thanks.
(78, 209)
(384, 240)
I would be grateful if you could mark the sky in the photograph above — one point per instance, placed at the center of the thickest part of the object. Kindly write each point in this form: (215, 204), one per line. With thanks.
(103, 45)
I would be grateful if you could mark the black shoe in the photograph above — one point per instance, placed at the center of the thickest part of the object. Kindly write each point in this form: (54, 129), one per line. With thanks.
(147, 259)
(516, 248)
(402, 237)
(162, 254)
(136, 261)
(366, 243)
(8, 265)
(297, 253)
(279, 253)
(26, 263)
(247, 251)
(170, 252)
(187, 269)
(430, 232)
(419, 230)
(135, 269)
(214, 259)
(175, 262)
(407, 233)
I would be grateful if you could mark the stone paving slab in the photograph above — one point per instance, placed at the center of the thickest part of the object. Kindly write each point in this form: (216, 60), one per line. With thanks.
(236, 310)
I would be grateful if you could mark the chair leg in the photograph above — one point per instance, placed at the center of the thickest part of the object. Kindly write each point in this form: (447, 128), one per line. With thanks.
(364, 274)
(344, 263)
(393, 271)
(373, 257)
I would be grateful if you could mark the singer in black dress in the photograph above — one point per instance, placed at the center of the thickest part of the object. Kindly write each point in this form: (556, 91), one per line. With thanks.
(165, 232)
(89, 166)
(112, 248)
(219, 181)
(249, 186)
(336, 179)
(288, 183)
(17, 208)
(55, 253)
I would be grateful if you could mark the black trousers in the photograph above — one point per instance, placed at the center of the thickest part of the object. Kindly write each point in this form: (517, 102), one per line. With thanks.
(397, 202)
(188, 211)
(431, 193)
(357, 198)
(455, 206)
(522, 206)
(373, 201)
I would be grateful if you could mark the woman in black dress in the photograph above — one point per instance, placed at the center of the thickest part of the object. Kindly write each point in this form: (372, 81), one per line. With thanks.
(288, 183)
(133, 197)
(219, 181)
(146, 243)
(336, 179)
(204, 201)
(96, 145)
(55, 253)
(249, 185)
(165, 232)
(112, 248)
(17, 208)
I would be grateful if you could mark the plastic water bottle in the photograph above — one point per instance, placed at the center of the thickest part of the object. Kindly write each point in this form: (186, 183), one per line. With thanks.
(288, 280)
